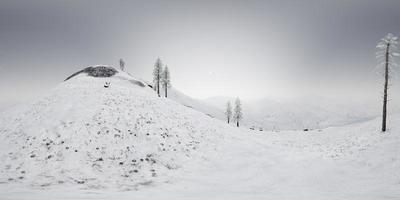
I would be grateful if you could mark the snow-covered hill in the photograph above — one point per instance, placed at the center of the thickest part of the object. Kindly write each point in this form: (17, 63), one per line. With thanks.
(102, 131)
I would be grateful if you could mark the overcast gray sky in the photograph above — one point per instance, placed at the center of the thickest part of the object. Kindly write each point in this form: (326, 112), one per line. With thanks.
(250, 49)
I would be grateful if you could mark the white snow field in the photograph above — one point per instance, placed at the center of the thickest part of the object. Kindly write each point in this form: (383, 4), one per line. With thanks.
(185, 153)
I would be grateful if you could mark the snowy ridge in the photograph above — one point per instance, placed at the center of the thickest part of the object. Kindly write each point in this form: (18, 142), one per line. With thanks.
(85, 133)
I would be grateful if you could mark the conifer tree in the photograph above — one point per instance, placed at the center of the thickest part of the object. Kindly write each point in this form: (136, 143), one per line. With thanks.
(228, 112)
(385, 55)
(157, 72)
(238, 115)
(166, 80)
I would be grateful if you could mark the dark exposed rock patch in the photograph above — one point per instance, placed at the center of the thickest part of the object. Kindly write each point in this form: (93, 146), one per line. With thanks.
(97, 71)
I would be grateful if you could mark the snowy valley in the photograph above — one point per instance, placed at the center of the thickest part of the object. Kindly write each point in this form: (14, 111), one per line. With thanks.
(87, 139)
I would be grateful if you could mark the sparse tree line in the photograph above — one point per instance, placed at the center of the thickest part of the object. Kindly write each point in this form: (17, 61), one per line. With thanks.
(161, 78)
(236, 115)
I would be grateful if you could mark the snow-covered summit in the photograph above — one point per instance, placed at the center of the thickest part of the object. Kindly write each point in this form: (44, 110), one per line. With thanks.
(83, 132)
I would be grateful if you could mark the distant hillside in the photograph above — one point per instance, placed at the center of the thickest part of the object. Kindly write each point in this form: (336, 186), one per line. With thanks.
(301, 113)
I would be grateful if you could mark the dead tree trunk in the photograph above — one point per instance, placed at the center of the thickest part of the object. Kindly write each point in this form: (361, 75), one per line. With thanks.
(166, 91)
(385, 90)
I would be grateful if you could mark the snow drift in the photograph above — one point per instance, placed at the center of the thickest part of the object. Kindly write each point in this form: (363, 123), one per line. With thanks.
(84, 133)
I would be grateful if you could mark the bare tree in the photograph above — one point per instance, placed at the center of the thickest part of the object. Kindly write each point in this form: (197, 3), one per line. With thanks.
(157, 75)
(122, 64)
(228, 112)
(385, 55)
(238, 115)
(166, 80)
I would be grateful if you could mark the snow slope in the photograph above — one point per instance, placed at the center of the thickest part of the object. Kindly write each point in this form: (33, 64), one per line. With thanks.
(354, 162)
(84, 133)
(196, 104)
